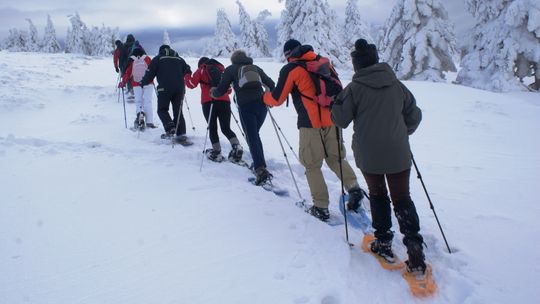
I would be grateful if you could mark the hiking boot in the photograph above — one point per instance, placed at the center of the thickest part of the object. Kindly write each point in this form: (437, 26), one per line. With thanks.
(236, 153)
(139, 121)
(356, 195)
(383, 249)
(416, 263)
(321, 213)
(214, 155)
(262, 176)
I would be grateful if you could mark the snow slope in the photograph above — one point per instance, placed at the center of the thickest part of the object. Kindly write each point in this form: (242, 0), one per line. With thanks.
(91, 213)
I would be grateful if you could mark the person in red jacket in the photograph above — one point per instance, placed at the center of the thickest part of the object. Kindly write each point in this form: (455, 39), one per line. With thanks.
(136, 68)
(116, 56)
(208, 75)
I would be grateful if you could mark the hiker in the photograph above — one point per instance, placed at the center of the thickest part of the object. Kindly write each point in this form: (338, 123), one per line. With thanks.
(318, 135)
(136, 68)
(248, 81)
(208, 75)
(126, 52)
(169, 69)
(116, 57)
(385, 114)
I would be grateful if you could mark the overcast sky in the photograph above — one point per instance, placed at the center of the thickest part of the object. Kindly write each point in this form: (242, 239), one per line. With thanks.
(138, 14)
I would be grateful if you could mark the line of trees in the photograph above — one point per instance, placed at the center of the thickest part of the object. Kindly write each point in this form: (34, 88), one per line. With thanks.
(80, 39)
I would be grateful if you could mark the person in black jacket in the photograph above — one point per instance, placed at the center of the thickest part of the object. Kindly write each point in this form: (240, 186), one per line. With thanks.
(169, 69)
(252, 110)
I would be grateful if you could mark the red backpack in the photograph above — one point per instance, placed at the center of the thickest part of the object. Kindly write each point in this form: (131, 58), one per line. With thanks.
(325, 79)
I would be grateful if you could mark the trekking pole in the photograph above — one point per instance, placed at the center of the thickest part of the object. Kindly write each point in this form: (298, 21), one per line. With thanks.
(189, 112)
(206, 136)
(281, 131)
(342, 200)
(124, 99)
(430, 203)
(302, 200)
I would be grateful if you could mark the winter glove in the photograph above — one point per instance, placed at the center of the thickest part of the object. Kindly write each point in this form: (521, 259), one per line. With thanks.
(117, 70)
(121, 84)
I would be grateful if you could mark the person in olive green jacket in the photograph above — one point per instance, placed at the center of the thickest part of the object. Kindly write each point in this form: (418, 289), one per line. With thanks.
(384, 113)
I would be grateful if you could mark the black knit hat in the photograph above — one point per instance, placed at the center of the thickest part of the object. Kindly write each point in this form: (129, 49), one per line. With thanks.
(289, 46)
(364, 54)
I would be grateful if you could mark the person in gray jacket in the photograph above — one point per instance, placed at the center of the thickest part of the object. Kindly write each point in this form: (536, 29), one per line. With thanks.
(384, 112)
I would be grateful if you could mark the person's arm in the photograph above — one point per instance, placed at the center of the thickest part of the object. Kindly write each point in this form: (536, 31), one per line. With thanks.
(344, 108)
(192, 81)
(151, 72)
(412, 114)
(224, 85)
(267, 81)
(127, 74)
(283, 88)
(116, 56)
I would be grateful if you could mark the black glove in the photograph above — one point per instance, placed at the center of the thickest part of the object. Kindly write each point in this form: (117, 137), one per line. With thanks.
(117, 70)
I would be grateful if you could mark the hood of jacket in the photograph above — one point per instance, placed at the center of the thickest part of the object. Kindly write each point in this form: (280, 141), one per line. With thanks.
(166, 50)
(240, 57)
(376, 76)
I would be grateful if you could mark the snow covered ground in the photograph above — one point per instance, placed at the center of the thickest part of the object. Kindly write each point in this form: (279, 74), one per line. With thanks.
(91, 213)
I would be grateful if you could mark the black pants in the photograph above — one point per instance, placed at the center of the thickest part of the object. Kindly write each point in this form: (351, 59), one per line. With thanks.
(165, 97)
(221, 110)
(252, 116)
(398, 183)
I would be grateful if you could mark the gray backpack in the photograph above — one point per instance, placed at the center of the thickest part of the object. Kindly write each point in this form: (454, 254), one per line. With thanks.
(248, 77)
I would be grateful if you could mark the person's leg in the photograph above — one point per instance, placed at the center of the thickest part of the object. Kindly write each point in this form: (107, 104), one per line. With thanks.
(212, 125)
(409, 223)
(138, 92)
(224, 116)
(248, 118)
(381, 212)
(164, 99)
(148, 93)
(176, 100)
(311, 157)
(329, 135)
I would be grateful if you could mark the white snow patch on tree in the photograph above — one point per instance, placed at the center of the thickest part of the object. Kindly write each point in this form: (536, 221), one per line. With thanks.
(418, 40)
(166, 39)
(50, 43)
(505, 47)
(253, 35)
(224, 41)
(354, 27)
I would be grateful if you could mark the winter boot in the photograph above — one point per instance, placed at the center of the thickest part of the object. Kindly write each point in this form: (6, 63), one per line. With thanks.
(139, 121)
(214, 155)
(236, 153)
(381, 215)
(409, 226)
(321, 213)
(151, 125)
(384, 250)
(182, 140)
(356, 194)
(262, 176)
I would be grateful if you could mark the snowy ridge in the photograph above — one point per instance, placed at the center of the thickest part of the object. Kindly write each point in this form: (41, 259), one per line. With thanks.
(90, 213)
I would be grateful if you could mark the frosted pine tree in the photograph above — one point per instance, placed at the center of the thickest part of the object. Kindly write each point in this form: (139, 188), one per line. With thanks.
(312, 22)
(32, 43)
(224, 41)
(166, 39)
(16, 40)
(354, 27)
(419, 41)
(75, 39)
(49, 43)
(247, 33)
(505, 46)
(261, 35)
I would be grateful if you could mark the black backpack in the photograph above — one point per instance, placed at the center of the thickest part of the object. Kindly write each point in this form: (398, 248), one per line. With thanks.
(213, 69)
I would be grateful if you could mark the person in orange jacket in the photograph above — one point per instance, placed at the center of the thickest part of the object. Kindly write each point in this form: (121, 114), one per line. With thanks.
(318, 135)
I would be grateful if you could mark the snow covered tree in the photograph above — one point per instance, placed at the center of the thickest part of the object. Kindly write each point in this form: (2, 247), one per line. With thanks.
(32, 43)
(253, 35)
(312, 22)
(261, 35)
(49, 43)
(224, 41)
(418, 40)
(75, 35)
(16, 40)
(100, 41)
(354, 27)
(505, 45)
(166, 39)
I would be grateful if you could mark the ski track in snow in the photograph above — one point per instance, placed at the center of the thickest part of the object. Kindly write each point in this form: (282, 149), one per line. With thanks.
(92, 212)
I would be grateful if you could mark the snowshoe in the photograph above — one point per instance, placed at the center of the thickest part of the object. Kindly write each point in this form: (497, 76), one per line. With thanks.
(420, 281)
(382, 252)
(182, 140)
(322, 214)
(214, 155)
(151, 125)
